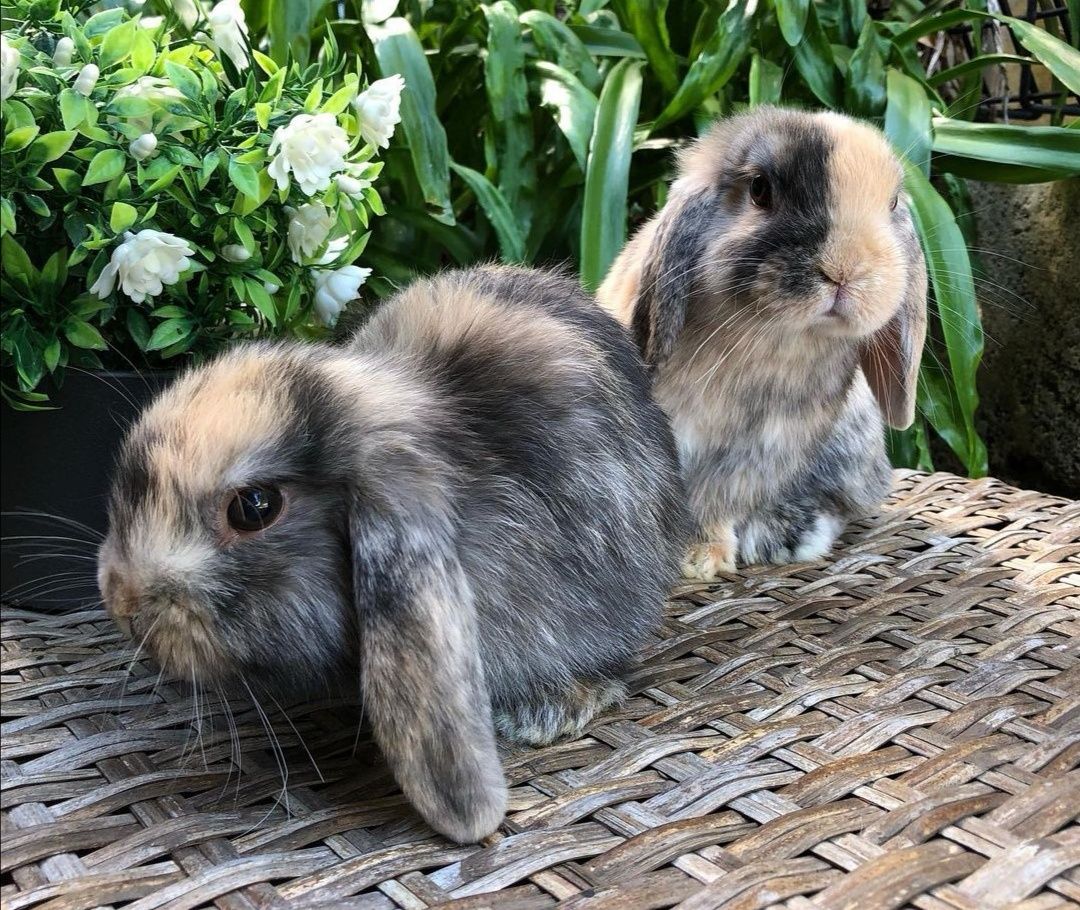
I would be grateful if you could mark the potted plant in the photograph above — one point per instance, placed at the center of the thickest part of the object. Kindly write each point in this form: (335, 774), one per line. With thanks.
(167, 189)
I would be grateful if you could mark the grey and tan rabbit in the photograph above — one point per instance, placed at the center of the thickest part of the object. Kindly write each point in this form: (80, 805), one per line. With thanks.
(475, 502)
(780, 299)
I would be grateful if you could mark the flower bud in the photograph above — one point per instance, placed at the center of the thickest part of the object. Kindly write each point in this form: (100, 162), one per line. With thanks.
(143, 147)
(350, 186)
(87, 79)
(64, 52)
(270, 287)
(235, 252)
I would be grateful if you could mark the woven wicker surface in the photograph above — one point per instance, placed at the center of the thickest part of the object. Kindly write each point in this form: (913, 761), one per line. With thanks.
(899, 726)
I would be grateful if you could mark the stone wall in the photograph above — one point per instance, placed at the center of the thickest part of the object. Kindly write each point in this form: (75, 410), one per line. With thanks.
(1029, 289)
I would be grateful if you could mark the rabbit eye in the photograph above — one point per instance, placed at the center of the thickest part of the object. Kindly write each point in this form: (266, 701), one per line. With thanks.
(760, 191)
(895, 200)
(254, 508)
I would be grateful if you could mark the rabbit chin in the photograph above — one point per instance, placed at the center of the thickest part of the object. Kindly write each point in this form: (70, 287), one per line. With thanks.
(180, 639)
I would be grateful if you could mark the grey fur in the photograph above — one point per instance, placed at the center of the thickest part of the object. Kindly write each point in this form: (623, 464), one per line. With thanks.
(484, 512)
(772, 401)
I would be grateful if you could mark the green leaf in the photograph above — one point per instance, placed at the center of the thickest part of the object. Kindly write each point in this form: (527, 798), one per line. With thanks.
(949, 268)
(262, 301)
(509, 117)
(20, 138)
(7, 216)
(647, 20)
(571, 103)
(994, 171)
(49, 147)
(715, 65)
(398, 50)
(1046, 147)
(138, 328)
(556, 40)
(603, 217)
(864, 88)
(608, 42)
(907, 119)
(340, 100)
(169, 332)
(290, 23)
(117, 44)
(976, 65)
(75, 109)
(814, 61)
(262, 114)
(184, 80)
(169, 311)
(105, 165)
(792, 15)
(1063, 61)
(143, 51)
(244, 177)
(70, 182)
(122, 217)
(498, 212)
(83, 335)
(51, 354)
(766, 81)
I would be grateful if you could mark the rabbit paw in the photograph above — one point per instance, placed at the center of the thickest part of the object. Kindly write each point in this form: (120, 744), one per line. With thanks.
(541, 724)
(708, 560)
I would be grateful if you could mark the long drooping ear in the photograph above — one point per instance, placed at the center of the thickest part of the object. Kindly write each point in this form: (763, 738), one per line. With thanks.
(423, 684)
(890, 357)
(650, 284)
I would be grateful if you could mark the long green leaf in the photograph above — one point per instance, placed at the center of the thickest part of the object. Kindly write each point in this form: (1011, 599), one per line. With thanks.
(648, 23)
(975, 65)
(1058, 57)
(571, 103)
(907, 119)
(608, 42)
(603, 218)
(498, 212)
(1034, 146)
(995, 171)
(509, 117)
(555, 39)
(398, 50)
(792, 14)
(289, 26)
(814, 61)
(716, 64)
(864, 88)
(766, 81)
(949, 268)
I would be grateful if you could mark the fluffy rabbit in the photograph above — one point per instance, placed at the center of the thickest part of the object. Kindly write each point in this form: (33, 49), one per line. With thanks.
(780, 299)
(475, 502)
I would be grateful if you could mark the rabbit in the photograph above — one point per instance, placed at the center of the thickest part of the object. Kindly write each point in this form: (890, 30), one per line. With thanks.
(474, 503)
(779, 299)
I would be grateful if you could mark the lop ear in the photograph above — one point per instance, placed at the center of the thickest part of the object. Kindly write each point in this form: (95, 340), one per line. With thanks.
(654, 274)
(890, 357)
(423, 684)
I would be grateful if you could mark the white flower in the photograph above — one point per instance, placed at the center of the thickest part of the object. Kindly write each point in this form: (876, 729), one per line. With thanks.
(309, 226)
(188, 11)
(143, 147)
(378, 108)
(351, 186)
(235, 252)
(159, 93)
(333, 249)
(87, 79)
(228, 32)
(336, 287)
(144, 263)
(9, 68)
(64, 52)
(270, 287)
(313, 147)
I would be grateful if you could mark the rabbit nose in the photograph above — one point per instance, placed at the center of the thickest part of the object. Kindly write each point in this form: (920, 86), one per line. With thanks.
(121, 601)
(833, 274)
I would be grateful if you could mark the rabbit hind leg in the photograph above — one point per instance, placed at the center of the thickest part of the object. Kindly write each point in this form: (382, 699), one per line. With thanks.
(567, 713)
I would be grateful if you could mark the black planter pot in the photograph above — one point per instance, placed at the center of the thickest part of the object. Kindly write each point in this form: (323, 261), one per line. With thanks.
(54, 485)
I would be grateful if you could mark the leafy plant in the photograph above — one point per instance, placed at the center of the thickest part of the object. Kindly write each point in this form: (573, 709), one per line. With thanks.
(541, 131)
(150, 207)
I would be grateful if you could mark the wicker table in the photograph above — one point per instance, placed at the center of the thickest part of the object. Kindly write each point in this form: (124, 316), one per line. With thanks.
(897, 727)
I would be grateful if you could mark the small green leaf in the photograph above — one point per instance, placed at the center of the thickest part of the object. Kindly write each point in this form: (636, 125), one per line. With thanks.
(105, 165)
(262, 114)
(792, 15)
(51, 354)
(340, 100)
(74, 108)
(20, 138)
(122, 217)
(766, 81)
(83, 335)
(138, 328)
(262, 301)
(117, 44)
(243, 233)
(170, 332)
(244, 177)
(184, 79)
(49, 147)
(143, 51)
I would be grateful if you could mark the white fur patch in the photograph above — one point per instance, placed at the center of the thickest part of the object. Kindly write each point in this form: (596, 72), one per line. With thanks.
(819, 539)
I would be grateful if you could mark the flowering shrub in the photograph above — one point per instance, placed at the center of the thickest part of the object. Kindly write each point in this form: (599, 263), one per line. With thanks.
(167, 188)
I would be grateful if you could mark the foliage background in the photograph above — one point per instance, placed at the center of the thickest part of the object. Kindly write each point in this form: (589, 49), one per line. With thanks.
(542, 132)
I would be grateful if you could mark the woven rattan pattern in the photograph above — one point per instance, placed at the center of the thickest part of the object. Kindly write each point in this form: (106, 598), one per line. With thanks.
(899, 726)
